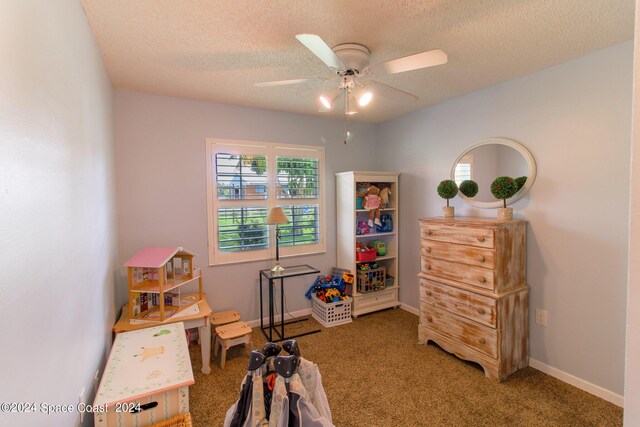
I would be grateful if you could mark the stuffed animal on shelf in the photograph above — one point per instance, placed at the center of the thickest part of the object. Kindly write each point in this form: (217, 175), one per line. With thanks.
(384, 197)
(372, 204)
(363, 228)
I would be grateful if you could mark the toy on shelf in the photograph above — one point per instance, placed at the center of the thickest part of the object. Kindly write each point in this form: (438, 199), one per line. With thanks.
(364, 253)
(371, 277)
(385, 193)
(386, 224)
(380, 247)
(363, 228)
(365, 266)
(372, 204)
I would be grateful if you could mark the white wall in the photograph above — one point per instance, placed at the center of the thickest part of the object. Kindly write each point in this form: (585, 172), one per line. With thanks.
(575, 119)
(632, 368)
(160, 149)
(57, 230)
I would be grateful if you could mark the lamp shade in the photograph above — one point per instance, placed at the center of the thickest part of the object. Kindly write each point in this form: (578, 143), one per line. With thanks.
(276, 216)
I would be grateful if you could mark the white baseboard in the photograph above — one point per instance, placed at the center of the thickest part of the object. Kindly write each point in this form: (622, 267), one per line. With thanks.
(299, 313)
(596, 390)
(410, 309)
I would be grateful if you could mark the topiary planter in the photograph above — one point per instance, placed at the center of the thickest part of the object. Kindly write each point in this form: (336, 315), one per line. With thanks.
(447, 189)
(447, 211)
(505, 214)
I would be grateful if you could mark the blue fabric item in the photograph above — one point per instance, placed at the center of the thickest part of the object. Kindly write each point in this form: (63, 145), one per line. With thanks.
(386, 224)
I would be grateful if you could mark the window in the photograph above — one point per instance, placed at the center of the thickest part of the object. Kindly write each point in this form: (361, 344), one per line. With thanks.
(464, 169)
(245, 180)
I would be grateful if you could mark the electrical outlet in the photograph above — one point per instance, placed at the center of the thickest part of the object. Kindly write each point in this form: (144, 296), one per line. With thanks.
(542, 317)
(81, 401)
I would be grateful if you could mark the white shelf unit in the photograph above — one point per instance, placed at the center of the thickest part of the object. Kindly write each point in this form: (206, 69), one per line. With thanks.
(347, 184)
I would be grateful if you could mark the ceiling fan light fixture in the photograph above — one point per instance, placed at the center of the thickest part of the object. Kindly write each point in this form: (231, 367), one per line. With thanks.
(365, 98)
(325, 102)
(350, 104)
(328, 99)
(349, 62)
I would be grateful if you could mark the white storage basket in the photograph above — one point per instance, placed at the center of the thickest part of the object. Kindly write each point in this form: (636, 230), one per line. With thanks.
(331, 314)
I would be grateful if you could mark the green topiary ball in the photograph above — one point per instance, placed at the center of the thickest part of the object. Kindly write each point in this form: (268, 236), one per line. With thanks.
(503, 187)
(469, 188)
(520, 181)
(447, 189)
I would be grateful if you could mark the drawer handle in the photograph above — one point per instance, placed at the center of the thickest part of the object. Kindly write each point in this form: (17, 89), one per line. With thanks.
(429, 293)
(428, 266)
(482, 280)
(428, 250)
(429, 319)
(481, 239)
(482, 341)
(480, 310)
(428, 232)
(481, 258)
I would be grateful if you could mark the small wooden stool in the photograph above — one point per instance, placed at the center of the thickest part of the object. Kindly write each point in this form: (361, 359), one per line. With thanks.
(224, 317)
(231, 335)
(221, 318)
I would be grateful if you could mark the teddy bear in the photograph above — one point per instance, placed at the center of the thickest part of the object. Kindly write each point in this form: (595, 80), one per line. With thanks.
(372, 204)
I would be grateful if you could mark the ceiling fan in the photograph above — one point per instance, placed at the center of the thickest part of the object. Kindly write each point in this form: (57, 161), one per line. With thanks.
(355, 85)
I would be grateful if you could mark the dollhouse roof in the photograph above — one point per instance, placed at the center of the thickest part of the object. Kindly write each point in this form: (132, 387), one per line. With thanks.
(155, 257)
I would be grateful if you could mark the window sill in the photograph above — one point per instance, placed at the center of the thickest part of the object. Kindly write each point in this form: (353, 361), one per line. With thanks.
(218, 264)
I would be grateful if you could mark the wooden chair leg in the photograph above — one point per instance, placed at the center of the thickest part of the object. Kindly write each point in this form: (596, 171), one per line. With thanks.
(215, 345)
(223, 359)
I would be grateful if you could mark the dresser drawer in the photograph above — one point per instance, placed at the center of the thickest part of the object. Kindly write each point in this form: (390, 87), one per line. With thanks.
(478, 308)
(475, 276)
(470, 255)
(480, 337)
(472, 236)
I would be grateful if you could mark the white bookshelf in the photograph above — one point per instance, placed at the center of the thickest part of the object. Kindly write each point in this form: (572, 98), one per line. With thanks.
(348, 217)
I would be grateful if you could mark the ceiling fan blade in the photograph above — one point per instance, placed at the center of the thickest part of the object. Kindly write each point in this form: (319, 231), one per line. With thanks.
(390, 92)
(289, 82)
(426, 59)
(320, 49)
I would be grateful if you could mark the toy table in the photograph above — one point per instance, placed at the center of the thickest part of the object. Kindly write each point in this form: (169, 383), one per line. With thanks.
(199, 320)
(147, 377)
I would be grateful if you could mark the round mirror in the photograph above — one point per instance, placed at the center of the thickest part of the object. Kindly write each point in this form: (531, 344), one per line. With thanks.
(489, 159)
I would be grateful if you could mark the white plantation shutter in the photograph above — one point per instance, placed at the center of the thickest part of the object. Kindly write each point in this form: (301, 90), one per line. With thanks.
(246, 179)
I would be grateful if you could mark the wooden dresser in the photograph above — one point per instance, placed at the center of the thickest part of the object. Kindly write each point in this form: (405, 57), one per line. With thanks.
(474, 300)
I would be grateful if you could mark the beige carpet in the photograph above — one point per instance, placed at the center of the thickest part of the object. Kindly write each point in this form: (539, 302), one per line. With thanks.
(375, 374)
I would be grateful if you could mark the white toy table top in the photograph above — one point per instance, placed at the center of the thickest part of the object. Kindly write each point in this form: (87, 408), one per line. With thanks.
(145, 362)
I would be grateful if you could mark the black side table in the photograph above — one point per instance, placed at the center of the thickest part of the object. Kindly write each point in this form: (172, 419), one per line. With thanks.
(296, 270)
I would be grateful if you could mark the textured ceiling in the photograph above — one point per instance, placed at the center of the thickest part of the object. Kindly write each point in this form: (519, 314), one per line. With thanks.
(217, 49)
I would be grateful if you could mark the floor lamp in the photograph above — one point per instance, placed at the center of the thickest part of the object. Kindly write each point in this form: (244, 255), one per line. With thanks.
(276, 216)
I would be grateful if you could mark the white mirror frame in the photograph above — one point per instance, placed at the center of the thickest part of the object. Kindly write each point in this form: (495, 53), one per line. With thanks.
(531, 176)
